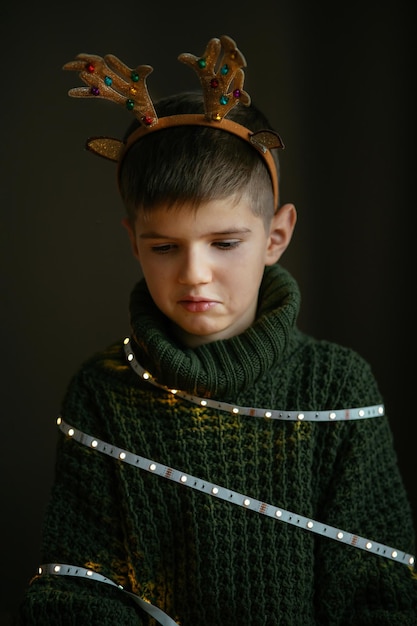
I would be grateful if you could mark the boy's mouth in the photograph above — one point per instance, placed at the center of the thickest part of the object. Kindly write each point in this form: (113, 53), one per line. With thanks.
(197, 305)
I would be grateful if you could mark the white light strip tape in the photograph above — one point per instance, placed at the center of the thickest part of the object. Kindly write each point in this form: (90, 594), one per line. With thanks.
(62, 569)
(234, 497)
(299, 416)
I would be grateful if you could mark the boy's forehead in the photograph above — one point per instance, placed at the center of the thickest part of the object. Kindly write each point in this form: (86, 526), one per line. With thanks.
(193, 206)
(221, 215)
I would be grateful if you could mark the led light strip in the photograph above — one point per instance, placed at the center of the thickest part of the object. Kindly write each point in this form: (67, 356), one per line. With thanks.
(237, 498)
(306, 416)
(62, 569)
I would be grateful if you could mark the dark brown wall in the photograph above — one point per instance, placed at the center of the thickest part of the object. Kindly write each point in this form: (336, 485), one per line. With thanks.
(338, 89)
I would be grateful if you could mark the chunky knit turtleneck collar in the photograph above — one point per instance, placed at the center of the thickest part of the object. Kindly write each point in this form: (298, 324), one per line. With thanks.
(220, 368)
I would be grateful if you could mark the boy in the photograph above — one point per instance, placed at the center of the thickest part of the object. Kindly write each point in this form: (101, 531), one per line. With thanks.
(193, 449)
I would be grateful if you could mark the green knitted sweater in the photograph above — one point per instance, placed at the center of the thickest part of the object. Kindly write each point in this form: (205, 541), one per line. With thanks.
(204, 561)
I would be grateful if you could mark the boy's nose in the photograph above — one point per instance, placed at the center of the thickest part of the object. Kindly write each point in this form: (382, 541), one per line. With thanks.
(194, 269)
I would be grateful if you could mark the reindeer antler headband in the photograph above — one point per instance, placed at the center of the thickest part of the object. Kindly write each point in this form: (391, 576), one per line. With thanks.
(111, 79)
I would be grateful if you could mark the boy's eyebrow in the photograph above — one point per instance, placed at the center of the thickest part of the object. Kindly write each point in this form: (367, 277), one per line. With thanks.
(228, 231)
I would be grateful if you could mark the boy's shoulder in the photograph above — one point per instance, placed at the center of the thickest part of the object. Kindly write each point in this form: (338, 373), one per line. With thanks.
(334, 366)
(109, 362)
(330, 354)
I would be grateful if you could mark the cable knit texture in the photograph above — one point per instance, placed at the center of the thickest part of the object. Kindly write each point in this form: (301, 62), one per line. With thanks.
(204, 561)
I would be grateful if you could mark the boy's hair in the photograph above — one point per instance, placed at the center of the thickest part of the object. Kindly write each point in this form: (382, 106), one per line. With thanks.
(195, 164)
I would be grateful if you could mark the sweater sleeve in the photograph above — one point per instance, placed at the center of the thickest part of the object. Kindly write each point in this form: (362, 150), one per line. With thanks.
(365, 495)
(83, 527)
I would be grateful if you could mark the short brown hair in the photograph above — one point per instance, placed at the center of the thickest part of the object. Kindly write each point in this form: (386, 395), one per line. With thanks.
(194, 164)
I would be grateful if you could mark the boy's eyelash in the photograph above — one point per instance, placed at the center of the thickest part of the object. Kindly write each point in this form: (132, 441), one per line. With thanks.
(222, 245)
(163, 249)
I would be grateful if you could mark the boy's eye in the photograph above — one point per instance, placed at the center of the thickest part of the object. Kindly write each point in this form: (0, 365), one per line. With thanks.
(227, 244)
(163, 248)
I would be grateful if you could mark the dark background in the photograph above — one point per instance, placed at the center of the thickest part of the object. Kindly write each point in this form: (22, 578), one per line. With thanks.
(338, 86)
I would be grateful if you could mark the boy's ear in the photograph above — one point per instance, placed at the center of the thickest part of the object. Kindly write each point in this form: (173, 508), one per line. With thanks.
(132, 236)
(280, 232)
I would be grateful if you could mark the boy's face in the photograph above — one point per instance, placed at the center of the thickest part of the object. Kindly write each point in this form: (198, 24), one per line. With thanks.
(203, 267)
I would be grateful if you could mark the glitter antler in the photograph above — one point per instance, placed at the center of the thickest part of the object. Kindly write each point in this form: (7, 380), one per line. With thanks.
(107, 77)
(111, 79)
(218, 100)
